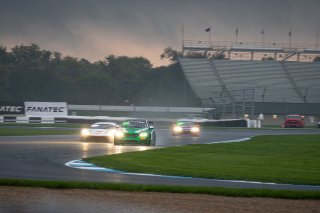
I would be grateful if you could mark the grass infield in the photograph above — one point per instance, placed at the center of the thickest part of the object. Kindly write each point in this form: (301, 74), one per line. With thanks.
(291, 159)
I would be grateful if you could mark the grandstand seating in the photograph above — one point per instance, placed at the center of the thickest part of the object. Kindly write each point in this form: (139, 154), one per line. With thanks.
(272, 81)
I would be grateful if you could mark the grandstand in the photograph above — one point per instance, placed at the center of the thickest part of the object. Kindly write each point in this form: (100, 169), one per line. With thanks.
(252, 86)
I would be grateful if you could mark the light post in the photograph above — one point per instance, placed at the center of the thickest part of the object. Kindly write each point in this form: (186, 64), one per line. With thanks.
(208, 30)
(290, 39)
(237, 33)
(317, 38)
(263, 36)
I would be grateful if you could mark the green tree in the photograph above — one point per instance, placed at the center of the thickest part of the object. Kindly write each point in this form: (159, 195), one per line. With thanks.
(128, 74)
(171, 54)
(4, 61)
(28, 73)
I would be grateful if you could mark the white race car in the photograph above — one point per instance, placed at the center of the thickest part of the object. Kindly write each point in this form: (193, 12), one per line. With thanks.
(99, 131)
(182, 127)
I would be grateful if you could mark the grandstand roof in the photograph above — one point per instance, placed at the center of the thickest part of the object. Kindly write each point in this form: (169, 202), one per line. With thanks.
(255, 50)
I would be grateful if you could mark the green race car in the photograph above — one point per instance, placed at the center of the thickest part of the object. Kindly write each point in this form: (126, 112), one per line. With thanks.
(136, 132)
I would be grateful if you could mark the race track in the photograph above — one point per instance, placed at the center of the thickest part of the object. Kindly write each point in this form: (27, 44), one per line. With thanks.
(44, 158)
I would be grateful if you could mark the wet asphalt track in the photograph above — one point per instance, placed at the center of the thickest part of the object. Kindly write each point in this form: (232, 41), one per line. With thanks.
(44, 158)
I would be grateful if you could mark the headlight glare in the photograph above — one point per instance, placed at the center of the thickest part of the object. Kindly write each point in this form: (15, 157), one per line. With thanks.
(111, 132)
(119, 134)
(177, 129)
(195, 129)
(85, 132)
(143, 135)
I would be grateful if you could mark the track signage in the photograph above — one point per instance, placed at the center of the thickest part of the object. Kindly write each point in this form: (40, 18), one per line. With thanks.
(46, 108)
(11, 108)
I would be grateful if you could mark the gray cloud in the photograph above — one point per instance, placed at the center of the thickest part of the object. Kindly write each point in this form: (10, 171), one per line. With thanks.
(94, 29)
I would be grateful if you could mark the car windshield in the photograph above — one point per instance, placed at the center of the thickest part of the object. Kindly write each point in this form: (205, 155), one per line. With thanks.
(134, 124)
(101, 126)
(185, 123)
(293, 116)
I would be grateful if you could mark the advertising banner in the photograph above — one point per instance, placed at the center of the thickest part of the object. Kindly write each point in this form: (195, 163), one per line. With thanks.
(47, 120)
(11, 108)
(35, 120)
(46, 109)
(9, 119)
(22, 119)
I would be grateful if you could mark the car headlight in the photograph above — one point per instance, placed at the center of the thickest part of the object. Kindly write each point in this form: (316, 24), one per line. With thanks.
(111, 133)
(85, 132)
(119, 134)
(177, 129)
(143, 135)
(195, 129)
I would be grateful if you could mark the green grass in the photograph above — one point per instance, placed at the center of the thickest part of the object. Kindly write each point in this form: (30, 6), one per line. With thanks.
(31, 131)
(231, 192)
(66, 125)
(293, 159)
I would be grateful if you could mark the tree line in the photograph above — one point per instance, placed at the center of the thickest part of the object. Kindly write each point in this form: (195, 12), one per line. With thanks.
(29, 73)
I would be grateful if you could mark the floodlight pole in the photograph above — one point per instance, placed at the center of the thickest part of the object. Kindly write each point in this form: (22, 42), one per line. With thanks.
(290, 39)
(210, 34)
(317, 38)
(237, 34)
(182, 38)
(263, 36)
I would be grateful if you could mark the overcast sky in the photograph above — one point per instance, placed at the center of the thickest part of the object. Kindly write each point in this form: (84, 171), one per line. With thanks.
(94, 29)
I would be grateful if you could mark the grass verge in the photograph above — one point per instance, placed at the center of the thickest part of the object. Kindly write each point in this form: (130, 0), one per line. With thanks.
(66, 125)
(291, 159)
(219, 191)
(32, 131)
